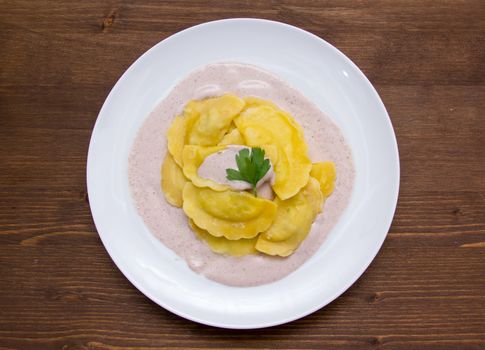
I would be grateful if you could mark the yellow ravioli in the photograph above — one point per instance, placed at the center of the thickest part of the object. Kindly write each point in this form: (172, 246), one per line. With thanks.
(173, 181)
(203, 122)
(325, 173)
(176, 136)
(229, 214)
(215, 116)
(293, 221)
(237, 223)
(267, 125)
(258, 102)
(222, 245)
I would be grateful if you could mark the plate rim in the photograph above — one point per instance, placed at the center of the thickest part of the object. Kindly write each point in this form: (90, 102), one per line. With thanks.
(344, 286)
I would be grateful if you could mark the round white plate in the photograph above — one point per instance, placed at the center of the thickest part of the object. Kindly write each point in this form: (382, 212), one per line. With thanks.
(323, 74)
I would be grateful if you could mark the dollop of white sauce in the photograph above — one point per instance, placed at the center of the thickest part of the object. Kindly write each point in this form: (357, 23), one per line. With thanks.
(214, 168)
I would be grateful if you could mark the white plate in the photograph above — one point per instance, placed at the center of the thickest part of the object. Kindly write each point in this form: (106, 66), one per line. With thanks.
(324, 75)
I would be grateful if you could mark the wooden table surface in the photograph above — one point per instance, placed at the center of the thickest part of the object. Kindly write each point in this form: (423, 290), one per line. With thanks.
(60, 290)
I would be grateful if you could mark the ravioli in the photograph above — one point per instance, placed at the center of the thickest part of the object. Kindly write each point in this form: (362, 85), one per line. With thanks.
(173, 181)
(293, 221)
(202, 123)
(222, 245)
(238, 223)
(266, 125)
(176, 137)
(215, 116)
(229, 214)
(325, 173)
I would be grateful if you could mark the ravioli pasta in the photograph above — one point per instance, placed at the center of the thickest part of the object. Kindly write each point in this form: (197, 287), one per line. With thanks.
(230, 214)
(293, 221)
(237, 222)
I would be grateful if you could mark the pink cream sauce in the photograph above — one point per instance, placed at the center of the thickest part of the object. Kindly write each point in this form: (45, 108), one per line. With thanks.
(169, 224)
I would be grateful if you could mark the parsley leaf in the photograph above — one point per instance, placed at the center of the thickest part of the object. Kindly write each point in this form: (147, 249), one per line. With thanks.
(252, 166)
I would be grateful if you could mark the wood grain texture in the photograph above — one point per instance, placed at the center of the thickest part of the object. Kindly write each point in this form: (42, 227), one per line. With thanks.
(59, 288)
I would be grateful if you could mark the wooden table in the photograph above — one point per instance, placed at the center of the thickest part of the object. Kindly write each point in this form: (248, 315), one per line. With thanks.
(60, 290)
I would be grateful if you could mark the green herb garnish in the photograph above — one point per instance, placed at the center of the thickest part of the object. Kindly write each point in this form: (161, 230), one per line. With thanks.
(252, 167)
